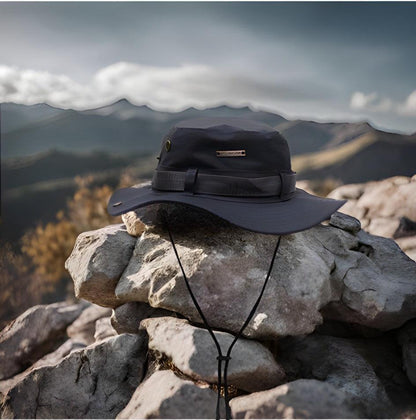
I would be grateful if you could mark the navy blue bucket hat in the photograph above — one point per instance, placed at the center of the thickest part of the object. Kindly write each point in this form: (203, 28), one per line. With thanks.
(237, 169)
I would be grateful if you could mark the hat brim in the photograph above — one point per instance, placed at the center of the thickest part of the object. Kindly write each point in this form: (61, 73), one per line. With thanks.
(261, 214)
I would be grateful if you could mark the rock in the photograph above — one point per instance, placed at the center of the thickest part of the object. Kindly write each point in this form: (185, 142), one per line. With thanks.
(126, 318)
(408, 245)
(97, 261)
(134, 225)
(385, 208)
(49, 359)
(406, 228)
(345, 222)
(33, 334)
(355, 278)
(301, 399)
(337, 361)
(165, 396)
(104, 329)
(379, 288)
(95, 382)
(193, 352)
(407, 340)
(83, 328)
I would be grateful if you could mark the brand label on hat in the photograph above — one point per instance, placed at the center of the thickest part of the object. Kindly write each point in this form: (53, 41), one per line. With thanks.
(230, 153)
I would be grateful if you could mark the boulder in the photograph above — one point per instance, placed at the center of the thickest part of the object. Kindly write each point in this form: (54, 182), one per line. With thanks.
(337, 361)
(94, 382)
(340, 272)
(83, 328)
(301, 399)
(126, 318)
(97, 262)
(165, 396)
(407, 340)
(36, 332)
(49, 359)
(193, 351)
(345, 222)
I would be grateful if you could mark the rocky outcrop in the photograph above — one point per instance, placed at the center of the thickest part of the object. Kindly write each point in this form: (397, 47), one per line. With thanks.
(301, 399)
(336, 270)
(95, 382)
(165, 396)
(34, 334)
(97, 262)
(193, 352)
(385, 208)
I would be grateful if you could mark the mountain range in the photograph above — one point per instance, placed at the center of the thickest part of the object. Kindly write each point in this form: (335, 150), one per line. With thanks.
(43, 148)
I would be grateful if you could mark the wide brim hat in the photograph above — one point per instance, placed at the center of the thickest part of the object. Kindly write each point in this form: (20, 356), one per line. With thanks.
(237, 169)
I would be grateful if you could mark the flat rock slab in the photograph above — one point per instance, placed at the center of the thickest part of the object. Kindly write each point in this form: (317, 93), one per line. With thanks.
(33, 334)
(165, 396)
(95, 382)
(97, 261)
(193, 352)
(301, 399)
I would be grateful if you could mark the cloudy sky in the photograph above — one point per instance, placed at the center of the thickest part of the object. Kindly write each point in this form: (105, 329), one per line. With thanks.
(323, 61)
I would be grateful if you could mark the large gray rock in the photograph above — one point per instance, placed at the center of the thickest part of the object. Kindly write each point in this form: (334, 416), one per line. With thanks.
(301, 399)
(193, 352)
(407, 340)
(126, 318)
(340, 362)
(345, 274)
(83, 328)
(33, 334)
(97, 262)
(50, 359)
(165, 396)
(95, 382)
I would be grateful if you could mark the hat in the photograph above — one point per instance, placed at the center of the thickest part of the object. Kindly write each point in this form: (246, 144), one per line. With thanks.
(237, 169)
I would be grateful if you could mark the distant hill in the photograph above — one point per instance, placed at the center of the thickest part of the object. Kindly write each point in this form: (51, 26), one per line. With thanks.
(124, 128)
(370, 157)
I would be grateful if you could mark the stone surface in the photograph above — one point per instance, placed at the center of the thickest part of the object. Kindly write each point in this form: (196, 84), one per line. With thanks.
(301, 399)
(83, 328)
(381, 206)
(95, 382)
(49, 359)
(407, 340)
(339, 362)
(97, 262)
(192, 350)
(165, 396)
(104, 329)
(134, 225)
(126, 318)
(351, 277)
(345, 222)
(33, 334)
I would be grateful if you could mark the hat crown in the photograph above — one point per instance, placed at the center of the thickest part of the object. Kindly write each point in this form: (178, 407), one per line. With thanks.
(225, 145)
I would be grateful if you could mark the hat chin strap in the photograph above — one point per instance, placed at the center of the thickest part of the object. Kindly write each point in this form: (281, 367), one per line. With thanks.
(220, 356)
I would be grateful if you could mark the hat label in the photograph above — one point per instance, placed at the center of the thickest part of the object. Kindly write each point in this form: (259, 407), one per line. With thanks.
(230, 153)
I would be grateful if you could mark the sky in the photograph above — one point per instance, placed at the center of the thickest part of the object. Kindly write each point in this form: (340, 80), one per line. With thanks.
(322, 61)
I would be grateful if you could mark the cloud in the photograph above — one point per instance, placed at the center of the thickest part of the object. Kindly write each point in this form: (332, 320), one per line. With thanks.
(374, 103)
(163, 88)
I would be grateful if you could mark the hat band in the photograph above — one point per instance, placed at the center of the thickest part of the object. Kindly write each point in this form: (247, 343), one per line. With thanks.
(282, 185)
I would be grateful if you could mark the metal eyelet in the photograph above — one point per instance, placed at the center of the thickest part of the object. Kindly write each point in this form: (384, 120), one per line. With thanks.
(167, 145)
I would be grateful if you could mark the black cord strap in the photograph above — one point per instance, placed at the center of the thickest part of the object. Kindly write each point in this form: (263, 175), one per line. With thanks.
(220, 356)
